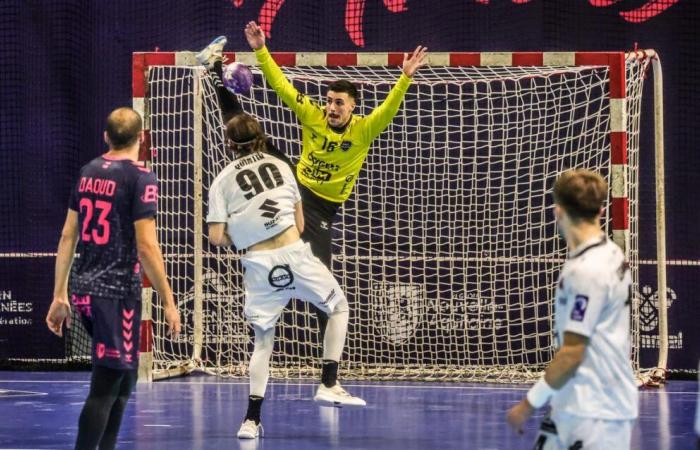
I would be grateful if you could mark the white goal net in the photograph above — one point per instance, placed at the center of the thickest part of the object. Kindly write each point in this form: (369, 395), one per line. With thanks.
(447, 250)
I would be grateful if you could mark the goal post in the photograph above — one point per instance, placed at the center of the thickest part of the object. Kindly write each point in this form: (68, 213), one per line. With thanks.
(447, 250)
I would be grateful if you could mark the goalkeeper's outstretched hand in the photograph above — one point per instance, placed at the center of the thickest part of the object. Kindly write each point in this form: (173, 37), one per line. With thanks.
(416, 60)
(255, 36)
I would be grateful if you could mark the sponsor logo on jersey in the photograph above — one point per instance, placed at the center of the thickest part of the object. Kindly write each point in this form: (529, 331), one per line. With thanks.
(348, 180)
(270, 212)
(316, 174)
(330, 297)
(579, 310)
(281, 277)
(82, 304)
(100, 350)
(318, 163)
(150, 194)
(270, 209)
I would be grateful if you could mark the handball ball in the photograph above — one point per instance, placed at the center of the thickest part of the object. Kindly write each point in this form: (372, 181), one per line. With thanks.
(237, 78)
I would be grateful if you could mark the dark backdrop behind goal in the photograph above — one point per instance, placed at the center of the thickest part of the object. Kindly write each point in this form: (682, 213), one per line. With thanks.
(67, 64)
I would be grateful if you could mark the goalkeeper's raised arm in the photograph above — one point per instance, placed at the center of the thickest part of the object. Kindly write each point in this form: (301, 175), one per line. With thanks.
(335, 142)
(381, 117)
(304, 108)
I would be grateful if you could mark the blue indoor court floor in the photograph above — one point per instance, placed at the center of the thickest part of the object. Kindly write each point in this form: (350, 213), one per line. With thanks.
(40, 411)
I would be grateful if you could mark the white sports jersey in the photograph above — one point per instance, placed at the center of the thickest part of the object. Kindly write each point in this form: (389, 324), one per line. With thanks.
(593, 300)
(255, 196)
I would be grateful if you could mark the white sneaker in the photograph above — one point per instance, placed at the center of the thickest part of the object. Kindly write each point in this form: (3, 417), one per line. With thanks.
(249, 430)
(336, 396)
(212, 52)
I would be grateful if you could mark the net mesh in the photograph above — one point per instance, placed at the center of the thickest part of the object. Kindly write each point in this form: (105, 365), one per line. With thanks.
(447, 251)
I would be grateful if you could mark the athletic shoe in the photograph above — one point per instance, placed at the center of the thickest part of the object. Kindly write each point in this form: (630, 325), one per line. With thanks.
(212, 52)
(249, 430)
(336, 396)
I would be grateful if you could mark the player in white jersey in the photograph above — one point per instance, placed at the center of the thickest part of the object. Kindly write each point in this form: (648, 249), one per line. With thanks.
(589, 383)
(255, 204)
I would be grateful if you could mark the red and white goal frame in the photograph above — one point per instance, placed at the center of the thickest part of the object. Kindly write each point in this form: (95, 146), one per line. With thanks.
(618, 135)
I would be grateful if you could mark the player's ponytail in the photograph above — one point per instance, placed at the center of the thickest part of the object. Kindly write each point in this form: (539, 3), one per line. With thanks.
(244, 135)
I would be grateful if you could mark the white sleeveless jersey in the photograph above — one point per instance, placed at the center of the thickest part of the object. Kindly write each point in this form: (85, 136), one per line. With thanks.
(255, 196)
(593, 299)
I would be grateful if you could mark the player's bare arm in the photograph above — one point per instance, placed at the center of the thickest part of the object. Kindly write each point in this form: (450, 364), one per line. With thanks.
(560, 370)
(299, 217)
(218, 235)
(59, 311)
(152, 261)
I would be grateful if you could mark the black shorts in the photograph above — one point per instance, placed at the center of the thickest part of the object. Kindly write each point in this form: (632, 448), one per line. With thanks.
(115, 328)
(318, 224)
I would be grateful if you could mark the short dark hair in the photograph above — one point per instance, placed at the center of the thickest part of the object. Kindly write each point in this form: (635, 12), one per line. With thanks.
(344, 86)
(245, 135)
(582, 193)
(123, 127)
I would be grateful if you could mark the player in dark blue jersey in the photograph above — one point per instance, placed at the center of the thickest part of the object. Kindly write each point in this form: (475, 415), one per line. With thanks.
(111, 218)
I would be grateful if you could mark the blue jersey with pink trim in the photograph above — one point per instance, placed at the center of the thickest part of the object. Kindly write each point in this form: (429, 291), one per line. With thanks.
(109, 196)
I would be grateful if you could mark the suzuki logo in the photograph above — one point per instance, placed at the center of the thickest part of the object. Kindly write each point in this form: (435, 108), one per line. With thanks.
(269, 207)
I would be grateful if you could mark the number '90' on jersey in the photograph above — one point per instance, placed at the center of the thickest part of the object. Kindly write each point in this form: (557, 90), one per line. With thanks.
(256, 197)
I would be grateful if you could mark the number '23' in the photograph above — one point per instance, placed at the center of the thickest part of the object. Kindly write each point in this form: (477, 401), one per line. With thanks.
(100, 233)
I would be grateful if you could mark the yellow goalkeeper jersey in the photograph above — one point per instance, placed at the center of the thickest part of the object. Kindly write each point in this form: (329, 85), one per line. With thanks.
(331, 161)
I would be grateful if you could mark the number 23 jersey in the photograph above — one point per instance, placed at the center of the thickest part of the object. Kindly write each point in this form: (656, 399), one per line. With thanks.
(255, 196)
(110, 195)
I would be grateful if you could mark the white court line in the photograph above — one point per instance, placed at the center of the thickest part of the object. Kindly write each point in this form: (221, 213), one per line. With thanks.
(13, 393)
(159, 426)
(377, 386)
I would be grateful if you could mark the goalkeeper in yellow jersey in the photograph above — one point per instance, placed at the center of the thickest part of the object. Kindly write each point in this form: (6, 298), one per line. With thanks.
(335, 142)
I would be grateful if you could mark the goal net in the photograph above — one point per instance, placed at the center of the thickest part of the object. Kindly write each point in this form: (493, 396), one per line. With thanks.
(447, 250)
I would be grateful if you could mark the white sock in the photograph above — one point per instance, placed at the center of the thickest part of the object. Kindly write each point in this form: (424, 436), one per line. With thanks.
(337, 328)
(259, 367)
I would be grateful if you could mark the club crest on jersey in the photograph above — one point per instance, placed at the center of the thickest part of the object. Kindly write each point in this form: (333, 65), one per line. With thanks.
(281, 277)
(579, 310)
(345, 145)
